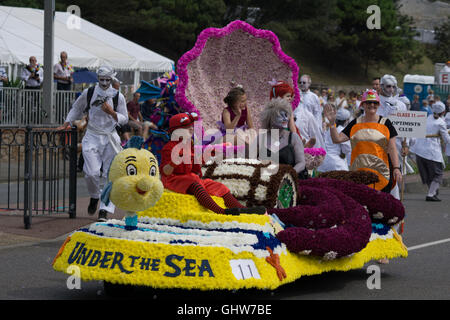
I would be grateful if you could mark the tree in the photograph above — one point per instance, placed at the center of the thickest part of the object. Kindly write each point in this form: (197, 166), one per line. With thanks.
(440, 52)
(167, 26)
(339, 30)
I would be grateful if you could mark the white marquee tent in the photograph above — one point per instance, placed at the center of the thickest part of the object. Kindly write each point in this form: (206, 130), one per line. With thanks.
(89, 46)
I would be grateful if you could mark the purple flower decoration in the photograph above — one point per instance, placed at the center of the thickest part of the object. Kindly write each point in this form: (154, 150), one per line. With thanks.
(237, 54)
(382, 206)
(333, 229)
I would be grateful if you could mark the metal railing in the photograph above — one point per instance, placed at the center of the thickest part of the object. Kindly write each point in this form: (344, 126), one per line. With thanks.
(22, 107)
(38, 171)
(442, 90)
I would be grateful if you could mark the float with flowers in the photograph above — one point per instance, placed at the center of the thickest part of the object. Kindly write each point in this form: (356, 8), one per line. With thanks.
(334, 223)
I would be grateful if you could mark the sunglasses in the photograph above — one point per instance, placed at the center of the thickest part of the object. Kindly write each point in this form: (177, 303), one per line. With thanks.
(303, 82)
(389, 86)
(104, 79)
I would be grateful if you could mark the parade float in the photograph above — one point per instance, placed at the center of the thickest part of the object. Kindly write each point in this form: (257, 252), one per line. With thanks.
(311, 226)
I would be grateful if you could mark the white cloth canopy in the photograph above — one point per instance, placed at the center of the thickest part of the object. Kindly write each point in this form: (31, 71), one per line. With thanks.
(415, 78)
(90, 46)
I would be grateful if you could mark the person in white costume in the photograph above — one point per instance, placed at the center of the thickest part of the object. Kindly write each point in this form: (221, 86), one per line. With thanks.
(389, 101)
(310, 100)
(335, 158)
(307, 125)
(447, 146)
(389, 105)
(429, 158)
(101, 141)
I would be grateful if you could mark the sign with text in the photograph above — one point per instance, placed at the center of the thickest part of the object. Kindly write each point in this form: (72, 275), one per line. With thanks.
(410, 124)
(444, 78)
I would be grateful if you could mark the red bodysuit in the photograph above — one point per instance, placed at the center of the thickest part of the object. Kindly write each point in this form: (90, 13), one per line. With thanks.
(185, 174)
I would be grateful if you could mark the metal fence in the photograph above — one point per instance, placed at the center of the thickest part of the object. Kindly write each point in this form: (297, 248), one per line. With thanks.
(38, 171)
(22, 107)
(442, 90)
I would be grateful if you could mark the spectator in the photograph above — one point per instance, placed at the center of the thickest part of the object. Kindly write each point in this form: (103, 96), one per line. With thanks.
(310, 100)
(341, 100)
(425, 107)
(148, 109)
(430, 97)
(135, 121)
(446, 68)
(415, 104)
(3, 78)
(63, 73)
(323, 97)
(331, 99)
(33, 75)
(352, 102)
(376, 84)
(447, 104)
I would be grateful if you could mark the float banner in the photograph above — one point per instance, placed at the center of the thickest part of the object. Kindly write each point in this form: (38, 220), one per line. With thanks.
(410, 124)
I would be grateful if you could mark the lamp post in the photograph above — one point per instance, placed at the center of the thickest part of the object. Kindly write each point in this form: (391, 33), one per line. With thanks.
(48, 116)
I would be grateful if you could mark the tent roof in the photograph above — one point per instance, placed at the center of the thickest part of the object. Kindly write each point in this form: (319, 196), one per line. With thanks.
(90, 46)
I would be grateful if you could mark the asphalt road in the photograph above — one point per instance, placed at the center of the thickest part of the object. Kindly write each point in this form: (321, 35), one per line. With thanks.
(26, 272)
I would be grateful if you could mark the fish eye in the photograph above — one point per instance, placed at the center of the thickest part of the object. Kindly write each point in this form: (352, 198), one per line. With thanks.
(131, 170)
(153, 171)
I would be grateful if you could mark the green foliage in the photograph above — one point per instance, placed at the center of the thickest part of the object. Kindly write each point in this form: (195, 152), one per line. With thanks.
(13, 83)
(440, 52)
(169, 27)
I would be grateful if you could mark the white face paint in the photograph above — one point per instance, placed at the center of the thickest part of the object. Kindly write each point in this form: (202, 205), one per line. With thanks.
(388, 87)
(281, 121)
(305, 82)
(104, 82)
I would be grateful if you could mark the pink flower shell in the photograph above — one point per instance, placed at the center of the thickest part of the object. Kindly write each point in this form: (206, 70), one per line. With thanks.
(212, 78)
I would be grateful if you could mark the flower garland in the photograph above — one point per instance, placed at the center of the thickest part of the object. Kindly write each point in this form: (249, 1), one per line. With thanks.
(336, 229)
(382, 206)
(68, 66)
(261, 48)
(35, 69)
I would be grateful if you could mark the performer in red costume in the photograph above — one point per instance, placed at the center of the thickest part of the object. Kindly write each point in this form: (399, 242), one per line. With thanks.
(186, 177)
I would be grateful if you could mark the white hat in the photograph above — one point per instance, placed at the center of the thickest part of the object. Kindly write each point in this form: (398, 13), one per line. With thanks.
(438, 107)
(388, 79)
(343, 114)
(106, 71)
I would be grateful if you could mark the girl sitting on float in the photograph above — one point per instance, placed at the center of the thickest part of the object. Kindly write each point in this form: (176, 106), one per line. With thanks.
(181, 171)
(236, 118)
